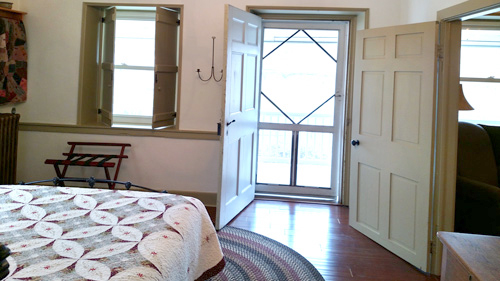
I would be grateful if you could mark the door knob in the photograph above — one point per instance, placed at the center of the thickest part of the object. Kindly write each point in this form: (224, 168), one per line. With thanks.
(355, 142)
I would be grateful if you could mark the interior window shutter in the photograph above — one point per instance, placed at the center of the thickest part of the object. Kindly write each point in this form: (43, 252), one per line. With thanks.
(107, 65)
(165, 68)
(88, 98)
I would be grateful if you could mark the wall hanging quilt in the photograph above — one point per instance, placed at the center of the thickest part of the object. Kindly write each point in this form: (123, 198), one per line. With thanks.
(13, 61)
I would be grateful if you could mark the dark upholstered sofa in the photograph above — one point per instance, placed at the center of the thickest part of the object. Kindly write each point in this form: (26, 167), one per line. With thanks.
(477, 208)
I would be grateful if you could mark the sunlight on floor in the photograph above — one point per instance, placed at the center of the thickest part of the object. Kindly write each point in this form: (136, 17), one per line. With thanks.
(301, 227)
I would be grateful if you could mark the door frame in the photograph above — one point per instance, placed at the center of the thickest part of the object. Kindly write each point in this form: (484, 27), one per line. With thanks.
(358, 19)
(447, 116)
(337, 130)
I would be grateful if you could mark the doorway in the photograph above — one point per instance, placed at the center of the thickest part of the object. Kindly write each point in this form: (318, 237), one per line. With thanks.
(302, 106)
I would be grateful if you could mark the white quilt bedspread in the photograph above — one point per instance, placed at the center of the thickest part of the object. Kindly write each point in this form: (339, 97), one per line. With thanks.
(69, 233)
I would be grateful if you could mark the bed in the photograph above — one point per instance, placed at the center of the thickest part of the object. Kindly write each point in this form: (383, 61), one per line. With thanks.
(74, 233)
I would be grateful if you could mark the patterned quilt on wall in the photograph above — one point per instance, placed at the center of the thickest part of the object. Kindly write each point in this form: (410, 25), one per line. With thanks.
(13, 61)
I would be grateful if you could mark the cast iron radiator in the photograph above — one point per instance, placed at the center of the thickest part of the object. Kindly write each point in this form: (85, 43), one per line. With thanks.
(9, 131)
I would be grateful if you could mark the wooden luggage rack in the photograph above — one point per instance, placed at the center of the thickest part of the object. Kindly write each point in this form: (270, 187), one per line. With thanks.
(90, 160)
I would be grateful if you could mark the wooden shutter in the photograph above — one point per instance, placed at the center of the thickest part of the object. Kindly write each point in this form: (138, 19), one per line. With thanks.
(107, 65)
(165, 68)
(88, 98)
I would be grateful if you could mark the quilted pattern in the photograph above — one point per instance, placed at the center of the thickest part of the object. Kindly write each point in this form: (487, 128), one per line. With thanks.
(66, 233)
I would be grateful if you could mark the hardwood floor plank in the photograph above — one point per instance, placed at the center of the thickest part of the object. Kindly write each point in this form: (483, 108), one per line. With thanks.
(321, 233)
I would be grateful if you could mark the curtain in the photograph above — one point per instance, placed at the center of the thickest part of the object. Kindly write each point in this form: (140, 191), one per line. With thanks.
(13, 61)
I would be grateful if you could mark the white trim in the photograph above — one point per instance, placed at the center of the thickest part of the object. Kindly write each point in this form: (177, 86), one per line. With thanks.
(330, 25)
(296, 127)
(132, 119)
(133, 67)
(296, 198)
(296, 190)
(136, 15)
(481, 24)
(360, 16)
(468, 9)
(482, 80)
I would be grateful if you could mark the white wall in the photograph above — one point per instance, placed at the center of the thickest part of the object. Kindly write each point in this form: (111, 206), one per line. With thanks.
(54, 32)
(153, 162)
(426, 10)
(16, 4)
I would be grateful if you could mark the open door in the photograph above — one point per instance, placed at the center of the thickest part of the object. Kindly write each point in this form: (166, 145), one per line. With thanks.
(393, 131)
(240, 117)
(108, 65)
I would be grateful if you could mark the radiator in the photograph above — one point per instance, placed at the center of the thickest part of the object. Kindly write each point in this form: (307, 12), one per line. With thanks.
(9, 131)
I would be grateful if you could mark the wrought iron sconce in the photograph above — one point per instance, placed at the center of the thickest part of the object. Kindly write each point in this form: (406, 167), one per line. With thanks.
(212, 74)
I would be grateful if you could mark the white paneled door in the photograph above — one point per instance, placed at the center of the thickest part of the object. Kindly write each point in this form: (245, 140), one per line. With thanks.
(240, 118)
(392, 132)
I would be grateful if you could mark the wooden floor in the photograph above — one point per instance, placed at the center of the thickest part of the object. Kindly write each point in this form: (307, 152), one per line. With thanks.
(321, 233)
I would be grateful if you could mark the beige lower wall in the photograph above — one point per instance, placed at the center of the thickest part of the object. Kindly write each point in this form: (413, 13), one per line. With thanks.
(158, 163)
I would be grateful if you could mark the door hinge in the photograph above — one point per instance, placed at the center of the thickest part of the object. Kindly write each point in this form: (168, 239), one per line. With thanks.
(440, 53)
(99, 111)
(103, 20)
(432, 247)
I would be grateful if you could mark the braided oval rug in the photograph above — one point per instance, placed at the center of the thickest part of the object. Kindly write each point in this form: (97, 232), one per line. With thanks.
(251, 256)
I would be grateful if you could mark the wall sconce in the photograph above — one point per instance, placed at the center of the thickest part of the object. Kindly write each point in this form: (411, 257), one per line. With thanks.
(463, 104)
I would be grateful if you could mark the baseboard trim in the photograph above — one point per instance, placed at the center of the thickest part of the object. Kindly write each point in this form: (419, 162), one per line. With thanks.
(208, 199)
(295, 198)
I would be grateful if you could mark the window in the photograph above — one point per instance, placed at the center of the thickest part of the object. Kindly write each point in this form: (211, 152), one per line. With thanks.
(479, 72)
(134, 31)
(129, 66)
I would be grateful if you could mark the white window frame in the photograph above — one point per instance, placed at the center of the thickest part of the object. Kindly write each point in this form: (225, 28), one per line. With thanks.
(127, 120)
(494, 25)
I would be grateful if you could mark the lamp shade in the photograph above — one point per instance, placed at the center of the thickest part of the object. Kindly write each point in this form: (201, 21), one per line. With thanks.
(463, 104)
